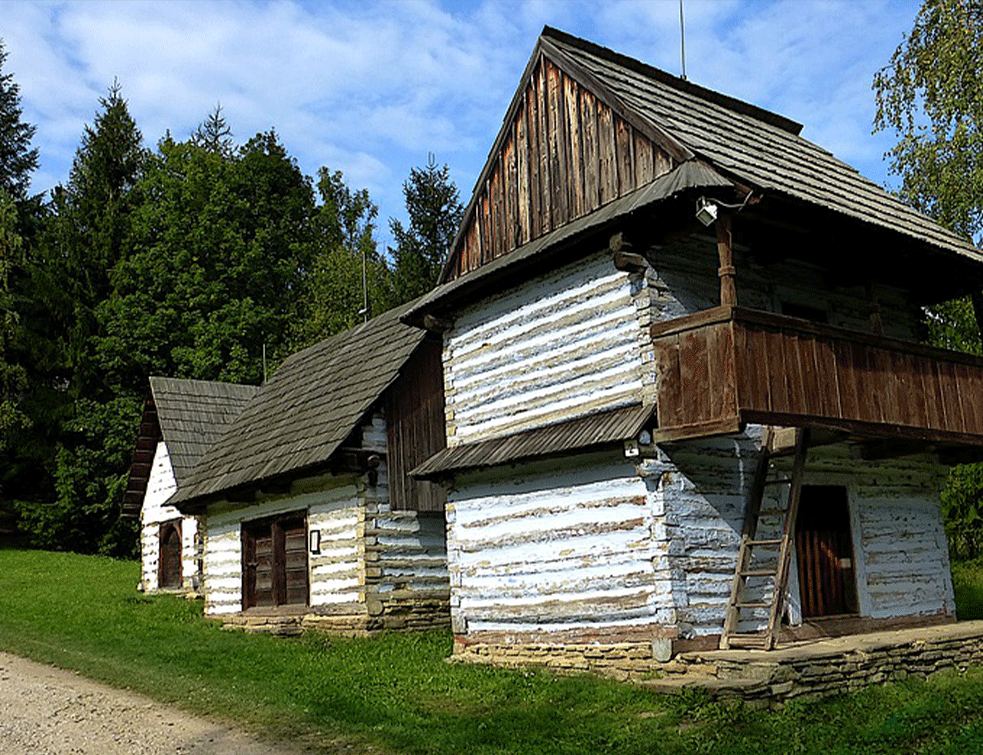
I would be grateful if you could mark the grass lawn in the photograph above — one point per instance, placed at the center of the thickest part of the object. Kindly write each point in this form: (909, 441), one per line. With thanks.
(396, 693)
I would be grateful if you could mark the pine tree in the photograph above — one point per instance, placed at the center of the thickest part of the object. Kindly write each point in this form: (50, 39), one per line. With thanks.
(82, 245)
(435, 213)
(17, 158)
(214, 134)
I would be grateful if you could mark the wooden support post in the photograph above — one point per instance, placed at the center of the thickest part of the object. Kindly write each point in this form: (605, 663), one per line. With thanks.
(725, 251)
(876, 323)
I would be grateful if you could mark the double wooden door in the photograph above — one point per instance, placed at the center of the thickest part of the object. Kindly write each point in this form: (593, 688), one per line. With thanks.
(275, 562)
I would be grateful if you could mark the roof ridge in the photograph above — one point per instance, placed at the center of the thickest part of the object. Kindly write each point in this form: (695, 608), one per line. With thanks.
(664, 77)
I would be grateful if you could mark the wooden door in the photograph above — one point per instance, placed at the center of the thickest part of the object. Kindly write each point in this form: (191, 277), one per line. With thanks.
(274, 562)
(295, 590)
(169, 567)
(824, 550)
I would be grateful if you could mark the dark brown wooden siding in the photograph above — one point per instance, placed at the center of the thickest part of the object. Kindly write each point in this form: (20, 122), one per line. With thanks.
(729, 365)
(563, 154)
(416, 428)
(143, 458)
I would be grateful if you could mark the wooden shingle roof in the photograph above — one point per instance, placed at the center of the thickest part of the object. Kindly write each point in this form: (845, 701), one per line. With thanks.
(589, 131)
(311, 404)
(761, 148)
(188, 415)
(193, 414)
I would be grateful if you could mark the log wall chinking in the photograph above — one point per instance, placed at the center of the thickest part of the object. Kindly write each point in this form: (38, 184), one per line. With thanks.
(558, 347)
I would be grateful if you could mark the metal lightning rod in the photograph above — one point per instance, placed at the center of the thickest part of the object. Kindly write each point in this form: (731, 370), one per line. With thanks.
(682, 39)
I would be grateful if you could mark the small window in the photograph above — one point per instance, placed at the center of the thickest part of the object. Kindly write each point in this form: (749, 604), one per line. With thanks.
(804, 312)
(274, 562)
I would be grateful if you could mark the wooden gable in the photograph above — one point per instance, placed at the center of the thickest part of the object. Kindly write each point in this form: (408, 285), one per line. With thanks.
(143, 458)
(567, 147)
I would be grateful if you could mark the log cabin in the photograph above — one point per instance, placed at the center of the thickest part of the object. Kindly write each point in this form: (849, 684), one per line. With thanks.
(309, 518)
(180, 420)
(688, 399)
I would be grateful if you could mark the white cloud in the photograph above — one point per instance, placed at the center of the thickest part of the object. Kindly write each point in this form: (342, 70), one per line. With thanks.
(371, 88)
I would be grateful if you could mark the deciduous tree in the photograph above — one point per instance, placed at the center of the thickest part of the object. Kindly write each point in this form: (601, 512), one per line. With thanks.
(931, 96)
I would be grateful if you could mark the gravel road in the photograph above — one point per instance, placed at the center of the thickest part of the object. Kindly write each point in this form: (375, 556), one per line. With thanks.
(48, 711)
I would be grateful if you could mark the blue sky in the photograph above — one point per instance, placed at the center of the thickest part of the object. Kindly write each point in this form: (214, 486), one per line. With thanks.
(370, 88)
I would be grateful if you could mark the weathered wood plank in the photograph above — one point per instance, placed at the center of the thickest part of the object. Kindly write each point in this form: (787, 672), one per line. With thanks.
(510, 203)
(546, 178)
(588, 118)
(644, 160)
(695, 376)
(576, 158)
(495, 210)
(827, 372)
(948, 377)
(558, 164)
(522, 155)
(625, 157)
(670, 398)
(607, 168)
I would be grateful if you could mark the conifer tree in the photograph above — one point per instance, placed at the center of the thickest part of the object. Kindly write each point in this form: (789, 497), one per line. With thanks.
(83, 243)
(435, 213)
(17, 158)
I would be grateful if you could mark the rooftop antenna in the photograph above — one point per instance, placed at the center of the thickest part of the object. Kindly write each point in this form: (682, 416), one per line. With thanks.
(682, 39)
(365, 290)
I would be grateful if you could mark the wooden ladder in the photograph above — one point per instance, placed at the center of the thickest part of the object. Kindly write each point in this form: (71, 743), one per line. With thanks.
(745, 569)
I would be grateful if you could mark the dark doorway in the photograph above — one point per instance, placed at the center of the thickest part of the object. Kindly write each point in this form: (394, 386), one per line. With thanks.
(274, 555)
(824, 549)
(169, 568)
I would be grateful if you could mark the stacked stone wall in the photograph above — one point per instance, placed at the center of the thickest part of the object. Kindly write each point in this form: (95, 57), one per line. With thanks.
(805, 671)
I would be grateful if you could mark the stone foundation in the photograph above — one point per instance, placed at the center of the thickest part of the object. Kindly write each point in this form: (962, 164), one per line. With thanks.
(620, 660)
(804, 670)
(402, 614)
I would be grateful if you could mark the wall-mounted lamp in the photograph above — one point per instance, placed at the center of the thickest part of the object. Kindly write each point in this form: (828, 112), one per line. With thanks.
(315, 541)
(706, 211)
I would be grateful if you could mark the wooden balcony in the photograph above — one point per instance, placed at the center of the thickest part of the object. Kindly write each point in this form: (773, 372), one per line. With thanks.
(728, 366)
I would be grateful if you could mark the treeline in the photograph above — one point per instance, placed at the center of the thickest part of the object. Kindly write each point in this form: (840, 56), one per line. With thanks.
(192, 259)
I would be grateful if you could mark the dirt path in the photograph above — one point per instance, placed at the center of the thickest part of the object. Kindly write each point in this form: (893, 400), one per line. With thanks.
(48, 711)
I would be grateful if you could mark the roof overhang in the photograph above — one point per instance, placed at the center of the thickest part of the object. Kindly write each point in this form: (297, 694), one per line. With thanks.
(689, 176)
(594, 431)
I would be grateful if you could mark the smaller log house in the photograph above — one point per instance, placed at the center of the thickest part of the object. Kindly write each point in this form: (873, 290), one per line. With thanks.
(686, 401)
(181, 419)
(309, 518)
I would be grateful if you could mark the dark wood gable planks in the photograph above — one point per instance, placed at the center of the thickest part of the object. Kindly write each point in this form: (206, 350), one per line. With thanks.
(565, 151)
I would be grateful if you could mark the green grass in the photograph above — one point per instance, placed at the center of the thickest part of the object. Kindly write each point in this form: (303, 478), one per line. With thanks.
(397, 694)
(967, 582)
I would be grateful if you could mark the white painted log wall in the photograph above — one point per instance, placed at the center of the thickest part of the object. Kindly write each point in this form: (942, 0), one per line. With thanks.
(898, 534)
(160, 487)
(352, 517)
(705, 485)
(596, 543)
(557, 347)
(577, 543)
(334, 507)
(410, 550)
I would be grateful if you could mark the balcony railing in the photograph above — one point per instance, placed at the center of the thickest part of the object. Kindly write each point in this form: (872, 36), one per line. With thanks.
(728, 366)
